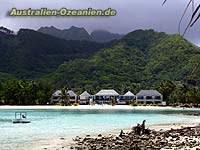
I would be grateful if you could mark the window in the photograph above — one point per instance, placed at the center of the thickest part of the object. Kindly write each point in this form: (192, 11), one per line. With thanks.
(157, 97)
(149, 97)
(140, 97)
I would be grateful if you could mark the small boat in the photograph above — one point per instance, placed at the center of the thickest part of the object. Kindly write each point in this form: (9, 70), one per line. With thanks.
(21, 117)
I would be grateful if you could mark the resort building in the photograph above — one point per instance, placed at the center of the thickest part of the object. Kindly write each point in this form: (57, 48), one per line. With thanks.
(84, 98)
(55, 96)
(149, 97)
(104, 96)
(126, 98)
(73, 97)
(129, 96)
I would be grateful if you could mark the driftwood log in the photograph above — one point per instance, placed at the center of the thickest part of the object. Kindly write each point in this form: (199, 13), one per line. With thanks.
(141, 129)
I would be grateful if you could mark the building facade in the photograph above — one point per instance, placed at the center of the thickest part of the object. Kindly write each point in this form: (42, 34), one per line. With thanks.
(104, 96)
(149, 97)
(84, 98)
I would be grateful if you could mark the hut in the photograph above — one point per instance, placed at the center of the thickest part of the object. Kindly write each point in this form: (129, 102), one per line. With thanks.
(104, 96)
(84, 98)
(55, 96)
(73, 96)
(149, 97)
(126, 98)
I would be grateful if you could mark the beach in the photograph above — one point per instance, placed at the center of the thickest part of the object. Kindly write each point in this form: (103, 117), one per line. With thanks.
(183, 138)
(117, 107)
(78, 141)
(55, 127)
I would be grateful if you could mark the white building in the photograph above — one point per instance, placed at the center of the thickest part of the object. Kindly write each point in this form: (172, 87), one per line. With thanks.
(129, 96)
(73, 97)
(84, 98)
(55, 96)
(126, 98)
(104, 96)
(149, 97)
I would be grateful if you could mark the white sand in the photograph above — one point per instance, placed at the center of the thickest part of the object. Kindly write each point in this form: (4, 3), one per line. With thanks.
(173, 126)
(126, 107)
(61, 144)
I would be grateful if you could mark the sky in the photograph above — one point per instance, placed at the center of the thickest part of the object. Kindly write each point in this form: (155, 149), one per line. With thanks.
(131, 15)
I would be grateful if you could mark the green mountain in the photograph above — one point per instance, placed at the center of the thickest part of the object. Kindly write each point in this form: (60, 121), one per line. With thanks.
(104, 36)
(30, 54)
(73, 33)
(141, 58)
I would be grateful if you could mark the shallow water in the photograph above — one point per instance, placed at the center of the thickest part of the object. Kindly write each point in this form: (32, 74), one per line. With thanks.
(52, 124)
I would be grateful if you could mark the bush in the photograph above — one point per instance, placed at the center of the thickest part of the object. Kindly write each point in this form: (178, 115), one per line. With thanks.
(61, 104)
(75, 104)
(160, 104)
(142, 104)
(134, 103)
(112, 101)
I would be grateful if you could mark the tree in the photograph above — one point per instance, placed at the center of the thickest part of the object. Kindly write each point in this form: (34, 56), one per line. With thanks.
(64, 97)
(179, 95)
(193, 95)
(22, 92)
(112, 101)
(166, 88)
(44, 92)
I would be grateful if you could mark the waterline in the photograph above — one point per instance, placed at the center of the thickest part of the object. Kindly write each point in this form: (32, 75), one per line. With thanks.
(56, 123)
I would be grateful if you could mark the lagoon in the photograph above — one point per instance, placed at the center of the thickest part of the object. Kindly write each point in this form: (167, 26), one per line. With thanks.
(48, 124)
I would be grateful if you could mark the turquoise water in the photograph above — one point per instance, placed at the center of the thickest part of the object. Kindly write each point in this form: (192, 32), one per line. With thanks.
(52, 124)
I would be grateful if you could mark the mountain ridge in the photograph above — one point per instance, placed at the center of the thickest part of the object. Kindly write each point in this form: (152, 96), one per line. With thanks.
(73, 33)
(76, 33)
(141, 58)
(30, 54)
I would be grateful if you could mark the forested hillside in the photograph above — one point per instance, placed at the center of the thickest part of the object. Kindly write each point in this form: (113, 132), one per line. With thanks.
(31, 54)
(142, 58)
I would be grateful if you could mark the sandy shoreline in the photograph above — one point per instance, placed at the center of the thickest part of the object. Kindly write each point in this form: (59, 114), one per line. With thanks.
(63, 143)
(125, 107)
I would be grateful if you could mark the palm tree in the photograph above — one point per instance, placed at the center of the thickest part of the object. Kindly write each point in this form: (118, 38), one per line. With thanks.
(166, 88)
(112, 101)
(64, 97)
(193, 96)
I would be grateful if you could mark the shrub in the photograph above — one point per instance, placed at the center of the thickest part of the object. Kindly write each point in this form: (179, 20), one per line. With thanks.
(160, 104)
(75, 104)
(112, 101)
(134, 103)
(143, 104)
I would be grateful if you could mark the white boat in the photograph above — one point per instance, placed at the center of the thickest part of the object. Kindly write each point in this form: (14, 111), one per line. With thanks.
(21, 117)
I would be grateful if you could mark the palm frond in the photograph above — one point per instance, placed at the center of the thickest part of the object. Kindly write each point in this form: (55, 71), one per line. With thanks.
(179, 25)
(193, 18)
(193, 15)
(164, 2)
(191, 22)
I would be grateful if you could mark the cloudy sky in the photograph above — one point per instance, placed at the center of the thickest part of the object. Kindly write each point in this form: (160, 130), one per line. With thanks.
(132, 15)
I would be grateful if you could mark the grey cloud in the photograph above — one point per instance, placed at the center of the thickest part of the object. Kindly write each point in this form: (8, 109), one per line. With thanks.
(132, 14)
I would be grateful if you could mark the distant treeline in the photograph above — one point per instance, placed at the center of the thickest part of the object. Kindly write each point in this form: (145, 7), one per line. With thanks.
(26, 92)
(21, 92)
(179, 93)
